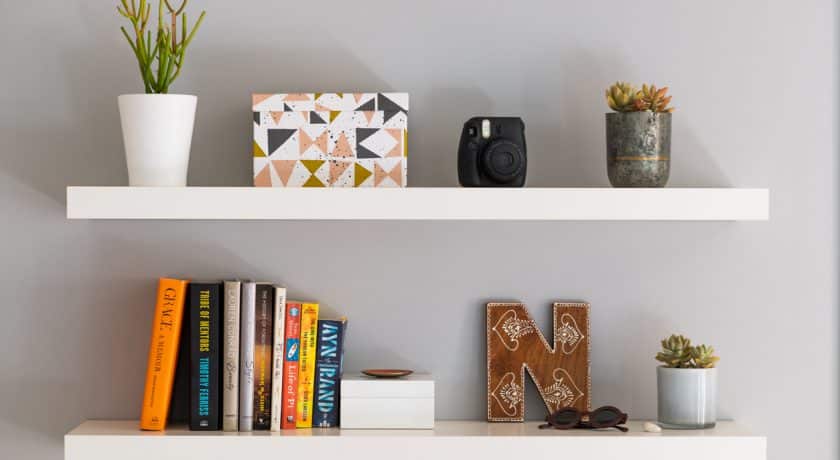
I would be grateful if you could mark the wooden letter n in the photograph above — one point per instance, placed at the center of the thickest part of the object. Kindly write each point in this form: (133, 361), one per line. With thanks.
(515, 344)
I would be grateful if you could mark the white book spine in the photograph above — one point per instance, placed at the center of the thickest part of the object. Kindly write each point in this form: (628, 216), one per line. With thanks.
(246, 356)
(230, 346)
(278, 361)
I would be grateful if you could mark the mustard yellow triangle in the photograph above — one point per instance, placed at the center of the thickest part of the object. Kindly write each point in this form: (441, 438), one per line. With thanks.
(312, 165)
(405, 143)
(317, 95)
(333, 115)
(340, 95)
(313, 182)
(258, 152)
(361, 174)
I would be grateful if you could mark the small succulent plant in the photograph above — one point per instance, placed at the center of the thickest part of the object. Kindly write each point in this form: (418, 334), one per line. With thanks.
(678, 352)
(621, 97)
(653, 99)
(704, 356)
(167, 46)
(624, 97)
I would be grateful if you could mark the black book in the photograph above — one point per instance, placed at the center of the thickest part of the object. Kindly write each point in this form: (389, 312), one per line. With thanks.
(263, 345)
(205, 356)
(328, 370)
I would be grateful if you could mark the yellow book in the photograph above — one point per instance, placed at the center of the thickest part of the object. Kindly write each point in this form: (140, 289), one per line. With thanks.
(306, 382)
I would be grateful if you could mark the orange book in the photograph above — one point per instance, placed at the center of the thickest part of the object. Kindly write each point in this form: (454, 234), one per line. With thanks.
(163, 353)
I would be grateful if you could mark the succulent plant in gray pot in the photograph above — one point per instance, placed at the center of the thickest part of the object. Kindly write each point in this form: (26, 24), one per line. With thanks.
(638, 135)
(686, 385)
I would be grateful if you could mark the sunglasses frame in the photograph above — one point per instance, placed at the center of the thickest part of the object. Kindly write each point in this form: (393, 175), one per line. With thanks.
(584, 420)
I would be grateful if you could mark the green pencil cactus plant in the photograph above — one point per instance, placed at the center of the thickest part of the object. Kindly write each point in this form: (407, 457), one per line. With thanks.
(160, 55)
(677, 352)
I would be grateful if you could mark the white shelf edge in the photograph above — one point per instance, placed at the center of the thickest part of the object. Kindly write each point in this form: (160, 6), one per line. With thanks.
(575, 204)
(100, 440)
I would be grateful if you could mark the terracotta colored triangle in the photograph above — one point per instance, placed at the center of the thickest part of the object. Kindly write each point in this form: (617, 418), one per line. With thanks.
(284, 169)
(313, 182)
(342, 147)
(396, 173)
(257, 98)
(276, 116)
(312, 165)
(397, 150)
(297, 97)
(321, 108)
(357, 97)
(263, 178)
(321, 141)
(305, 141)
(369, 115)
(379, 174)
(258, 151)
(337, 168)
(395, 133)
(361, 174)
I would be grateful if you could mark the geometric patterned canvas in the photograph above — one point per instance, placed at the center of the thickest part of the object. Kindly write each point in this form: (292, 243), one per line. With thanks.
(330, 140)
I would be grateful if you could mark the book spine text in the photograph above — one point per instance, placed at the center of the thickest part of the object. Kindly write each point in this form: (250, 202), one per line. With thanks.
(262, 357)
(328, 370)
(205, 354)
(163, 353)
(247, 332)
(277, 355)
(230, 344)
(308, 345)
(290, 365)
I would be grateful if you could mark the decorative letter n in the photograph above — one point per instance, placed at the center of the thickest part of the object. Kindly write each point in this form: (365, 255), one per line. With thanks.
(515, 344)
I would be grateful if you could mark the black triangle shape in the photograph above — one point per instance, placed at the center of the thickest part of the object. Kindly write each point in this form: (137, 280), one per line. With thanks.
(315, 119)
(368, 106)
(391, 114)
(362, 152)
(286, 108)
(257, 118)
(278, 137)
(364, 133)
(387, 105)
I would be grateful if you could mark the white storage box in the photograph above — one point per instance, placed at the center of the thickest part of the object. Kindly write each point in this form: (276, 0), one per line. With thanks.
(401, 403)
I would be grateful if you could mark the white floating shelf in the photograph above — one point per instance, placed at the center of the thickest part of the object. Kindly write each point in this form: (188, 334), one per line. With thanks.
(251, 203)
(107, 440)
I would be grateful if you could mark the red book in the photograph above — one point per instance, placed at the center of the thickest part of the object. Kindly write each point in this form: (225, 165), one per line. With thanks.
(291, 367)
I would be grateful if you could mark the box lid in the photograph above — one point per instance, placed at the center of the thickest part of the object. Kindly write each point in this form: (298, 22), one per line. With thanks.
(412, 386)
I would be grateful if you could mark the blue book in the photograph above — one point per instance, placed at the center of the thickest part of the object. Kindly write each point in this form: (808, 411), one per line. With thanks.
(329, 356)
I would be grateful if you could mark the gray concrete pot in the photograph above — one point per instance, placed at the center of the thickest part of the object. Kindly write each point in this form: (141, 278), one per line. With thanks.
(687, 398)
(638, 149)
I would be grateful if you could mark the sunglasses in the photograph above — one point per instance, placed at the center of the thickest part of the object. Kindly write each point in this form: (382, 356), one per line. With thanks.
(602, 417)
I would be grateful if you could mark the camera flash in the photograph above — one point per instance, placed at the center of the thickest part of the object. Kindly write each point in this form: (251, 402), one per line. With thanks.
(485, 129)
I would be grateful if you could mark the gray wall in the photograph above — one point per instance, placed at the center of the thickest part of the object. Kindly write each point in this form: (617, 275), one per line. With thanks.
(754, 83)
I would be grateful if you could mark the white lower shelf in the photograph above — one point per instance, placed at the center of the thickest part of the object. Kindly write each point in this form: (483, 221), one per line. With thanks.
(107, 440)
(251, 203)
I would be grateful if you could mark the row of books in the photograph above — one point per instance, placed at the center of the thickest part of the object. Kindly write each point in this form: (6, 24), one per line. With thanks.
(257, 361)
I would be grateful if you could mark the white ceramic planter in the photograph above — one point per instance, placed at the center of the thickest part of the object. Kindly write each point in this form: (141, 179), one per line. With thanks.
(157, 132)
(687, 398)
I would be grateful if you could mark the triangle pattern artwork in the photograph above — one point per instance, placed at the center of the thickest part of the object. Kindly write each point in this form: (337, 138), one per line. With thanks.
(330, 139)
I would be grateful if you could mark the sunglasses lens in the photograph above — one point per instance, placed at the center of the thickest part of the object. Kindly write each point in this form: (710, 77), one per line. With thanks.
(605, 416)
(565, 417)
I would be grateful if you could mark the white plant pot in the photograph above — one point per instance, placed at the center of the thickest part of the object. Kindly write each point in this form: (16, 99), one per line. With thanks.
(687, 398)
(157, 132)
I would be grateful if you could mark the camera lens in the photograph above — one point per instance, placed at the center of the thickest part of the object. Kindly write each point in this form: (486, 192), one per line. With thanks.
(502, 161)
